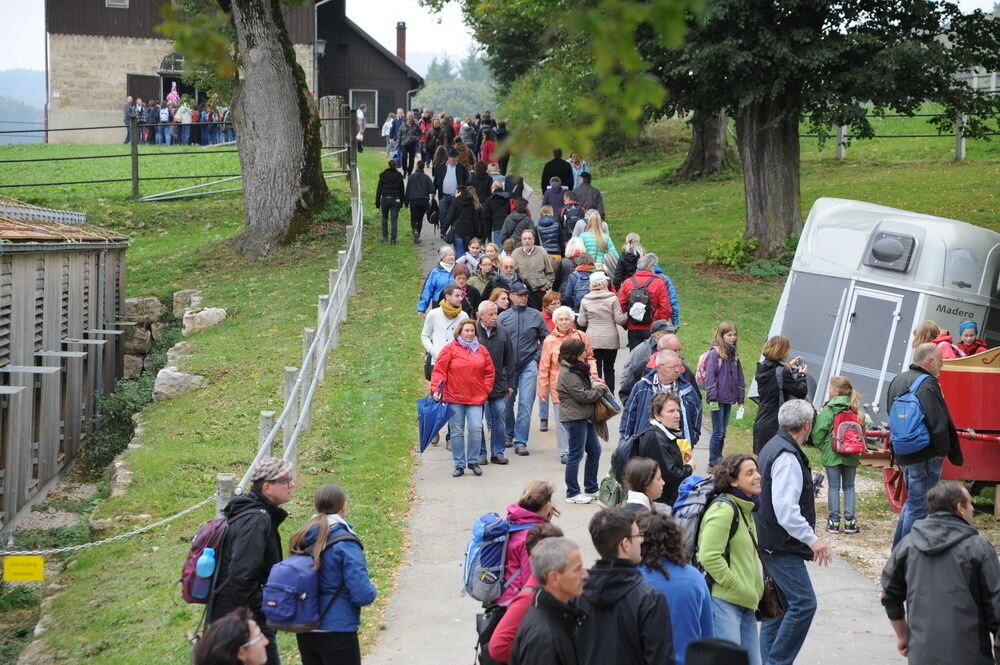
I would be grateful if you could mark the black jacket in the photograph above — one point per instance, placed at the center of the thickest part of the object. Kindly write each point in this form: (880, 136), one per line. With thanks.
(502, 351)
(949, 578)
(626, 267)
(496, 209)
(656, 445)
(545, 636)
(409, 134)
(590, 197)
(419, 186)
(515, 224)
(628, 621)
(251, 547)
(944, 438)
(765, 425)
(462, 216)
(461, 176)
(482, 182)
(390, 183)
(557, 168)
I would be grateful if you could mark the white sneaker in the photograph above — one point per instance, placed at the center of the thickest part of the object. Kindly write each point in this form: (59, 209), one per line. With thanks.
(580, 498)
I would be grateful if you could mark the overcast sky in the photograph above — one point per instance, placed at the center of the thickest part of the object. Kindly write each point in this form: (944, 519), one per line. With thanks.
(22, 31)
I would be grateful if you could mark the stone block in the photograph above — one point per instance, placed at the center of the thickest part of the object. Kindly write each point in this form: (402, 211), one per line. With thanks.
(138, 340)
(171, 382)
(133, 366)
(157, 330)
(145, 309)
(178, 351)
(182, 301)
(196, 320)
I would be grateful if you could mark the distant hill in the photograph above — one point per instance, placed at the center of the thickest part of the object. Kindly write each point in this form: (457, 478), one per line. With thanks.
(12, 114)
(24, 85)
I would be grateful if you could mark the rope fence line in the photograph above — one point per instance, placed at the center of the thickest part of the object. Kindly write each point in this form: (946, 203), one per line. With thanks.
(300, 383)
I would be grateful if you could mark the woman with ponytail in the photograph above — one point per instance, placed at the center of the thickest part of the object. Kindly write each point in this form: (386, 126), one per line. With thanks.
(840, 469)
(344, 585)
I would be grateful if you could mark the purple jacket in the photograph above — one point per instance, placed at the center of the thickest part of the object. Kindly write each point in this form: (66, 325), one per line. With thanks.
(723, 379)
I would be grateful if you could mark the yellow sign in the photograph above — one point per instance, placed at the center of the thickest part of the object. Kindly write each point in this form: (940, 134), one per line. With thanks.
(24, 569)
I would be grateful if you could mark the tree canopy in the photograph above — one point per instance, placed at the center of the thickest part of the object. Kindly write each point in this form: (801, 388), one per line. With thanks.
(467, 88)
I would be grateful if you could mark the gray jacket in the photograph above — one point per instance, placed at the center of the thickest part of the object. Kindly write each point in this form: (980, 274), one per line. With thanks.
(498, 343)
(527, 330)
(635, 367)
(949, 578)
(590, 197)
(576, 400)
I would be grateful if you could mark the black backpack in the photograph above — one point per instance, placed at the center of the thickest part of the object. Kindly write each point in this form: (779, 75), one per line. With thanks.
(571, 214)
(640, 295)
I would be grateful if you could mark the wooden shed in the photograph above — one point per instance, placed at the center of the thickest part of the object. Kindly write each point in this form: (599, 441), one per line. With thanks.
(62, 287)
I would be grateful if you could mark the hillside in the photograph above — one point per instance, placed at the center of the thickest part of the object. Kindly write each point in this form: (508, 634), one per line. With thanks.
(24, 85)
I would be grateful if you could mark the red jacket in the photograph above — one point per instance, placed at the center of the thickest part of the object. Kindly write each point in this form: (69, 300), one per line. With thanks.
(468, 378)
(948, 348)
(502, 642)
(658, 297)
(517, 553)
(978, 346)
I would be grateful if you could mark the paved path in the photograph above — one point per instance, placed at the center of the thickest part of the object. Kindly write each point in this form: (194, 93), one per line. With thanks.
(429, 623)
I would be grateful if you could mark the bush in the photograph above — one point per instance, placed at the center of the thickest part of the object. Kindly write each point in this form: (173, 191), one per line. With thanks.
(736, 253)
(112, 430)
(336, 209)
(765, 269)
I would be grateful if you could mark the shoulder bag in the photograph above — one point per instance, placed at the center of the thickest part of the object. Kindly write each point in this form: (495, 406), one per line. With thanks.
(773, 604)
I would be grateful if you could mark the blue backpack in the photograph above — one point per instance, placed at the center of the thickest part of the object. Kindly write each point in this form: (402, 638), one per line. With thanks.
(485, 556)
(694, 496)
(291, 594)
(908, 431)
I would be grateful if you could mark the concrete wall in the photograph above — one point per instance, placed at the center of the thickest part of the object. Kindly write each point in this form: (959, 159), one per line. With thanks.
(88, 77)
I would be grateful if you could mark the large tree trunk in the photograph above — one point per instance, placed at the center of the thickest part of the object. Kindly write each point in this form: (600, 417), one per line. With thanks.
(768, 138)
(710, 151)
(275, 120)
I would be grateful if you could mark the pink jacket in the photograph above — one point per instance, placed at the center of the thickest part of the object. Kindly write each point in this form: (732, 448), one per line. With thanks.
(517, 554)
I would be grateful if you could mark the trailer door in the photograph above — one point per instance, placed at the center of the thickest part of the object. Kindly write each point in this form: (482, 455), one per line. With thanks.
(873, 317)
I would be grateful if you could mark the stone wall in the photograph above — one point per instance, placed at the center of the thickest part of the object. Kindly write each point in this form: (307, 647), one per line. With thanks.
(88, 77)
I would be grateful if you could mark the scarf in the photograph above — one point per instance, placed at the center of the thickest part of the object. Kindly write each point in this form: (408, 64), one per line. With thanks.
(740, 494)
(582, 370)
(445, 266)
(449, 311)
(336, 518)
(472, 346)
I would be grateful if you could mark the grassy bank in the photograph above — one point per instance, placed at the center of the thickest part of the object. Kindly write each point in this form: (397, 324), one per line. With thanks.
(121, 604)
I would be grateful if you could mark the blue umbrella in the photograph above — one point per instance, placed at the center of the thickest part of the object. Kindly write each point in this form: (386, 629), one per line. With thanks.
(431, 416)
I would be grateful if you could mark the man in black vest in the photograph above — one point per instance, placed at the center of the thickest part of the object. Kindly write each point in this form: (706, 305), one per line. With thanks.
(786, 526)
(922, 469)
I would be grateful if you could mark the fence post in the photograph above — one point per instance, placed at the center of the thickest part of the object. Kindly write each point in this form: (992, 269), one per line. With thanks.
(352, 287)
(333, 325)
(225, 485)
(841, 142)
(308, 335)
(266, 424)
(291, 397)
(320, 359)
(133, 132)
(960, 137)
(343, 265)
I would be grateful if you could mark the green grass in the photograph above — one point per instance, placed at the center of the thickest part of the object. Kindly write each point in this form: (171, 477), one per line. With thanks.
(122, 605)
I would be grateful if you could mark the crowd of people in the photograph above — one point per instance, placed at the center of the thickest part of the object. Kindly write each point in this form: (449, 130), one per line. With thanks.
(178, 120)
(518, 311)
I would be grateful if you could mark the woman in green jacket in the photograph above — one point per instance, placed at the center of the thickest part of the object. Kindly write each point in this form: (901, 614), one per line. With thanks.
(840, 469)
(737, 580)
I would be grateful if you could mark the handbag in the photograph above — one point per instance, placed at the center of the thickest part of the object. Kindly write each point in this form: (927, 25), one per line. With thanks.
(773, 603)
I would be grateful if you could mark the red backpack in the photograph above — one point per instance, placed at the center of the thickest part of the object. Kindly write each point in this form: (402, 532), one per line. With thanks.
(847, 436)
(211, 534)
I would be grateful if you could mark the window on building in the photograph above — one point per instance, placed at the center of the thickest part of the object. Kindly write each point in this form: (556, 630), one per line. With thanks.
(369, 97)
(116, 4)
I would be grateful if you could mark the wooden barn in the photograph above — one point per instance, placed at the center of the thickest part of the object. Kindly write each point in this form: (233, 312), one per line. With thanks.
(99, 51)
(62, 287)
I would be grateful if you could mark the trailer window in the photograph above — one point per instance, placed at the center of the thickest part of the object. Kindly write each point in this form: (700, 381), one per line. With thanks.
(964, 269)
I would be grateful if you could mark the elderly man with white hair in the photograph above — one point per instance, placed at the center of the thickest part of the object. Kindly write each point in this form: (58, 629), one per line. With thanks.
(534, 267)
(786, 526)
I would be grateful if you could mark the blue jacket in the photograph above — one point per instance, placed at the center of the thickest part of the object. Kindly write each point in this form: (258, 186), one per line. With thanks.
(527, 331)
(342, 563)
(675, 318)
(576, 286)
(689, 600)
(550, 234)
(430, 295)
(635, 416)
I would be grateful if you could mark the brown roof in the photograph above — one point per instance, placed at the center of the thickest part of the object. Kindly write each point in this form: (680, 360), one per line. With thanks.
(24, 223)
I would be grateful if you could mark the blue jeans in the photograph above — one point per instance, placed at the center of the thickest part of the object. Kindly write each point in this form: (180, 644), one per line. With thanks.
(720, 421)
(524, 392)
(920, 479)
(496, 419)
(185, 134)
(497, 238)
(443, 204)
(837, 476)
(582, 438)
(466, 433)
(460, 244)
(781, 639)
(736, 624)
(543, 408)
